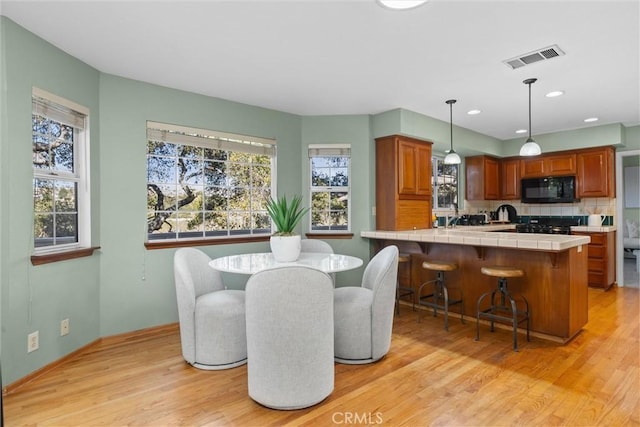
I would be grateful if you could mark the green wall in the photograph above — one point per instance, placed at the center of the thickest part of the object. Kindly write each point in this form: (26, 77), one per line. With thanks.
(4, 173)
(136, 285)
(631, 214)
(39, 297)
(352, 130)
(596, 136)
(124, 287)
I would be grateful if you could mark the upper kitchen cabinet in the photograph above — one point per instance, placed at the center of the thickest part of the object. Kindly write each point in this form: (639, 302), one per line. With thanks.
(482, 178)
(596, 175)
(403, 183)
(510, 179)
(548, 165)
(414, 179)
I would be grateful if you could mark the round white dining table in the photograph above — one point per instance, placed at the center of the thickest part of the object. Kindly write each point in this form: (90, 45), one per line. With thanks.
(254, 262)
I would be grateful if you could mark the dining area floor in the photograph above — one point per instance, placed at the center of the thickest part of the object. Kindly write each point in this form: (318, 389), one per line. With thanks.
(429, 377)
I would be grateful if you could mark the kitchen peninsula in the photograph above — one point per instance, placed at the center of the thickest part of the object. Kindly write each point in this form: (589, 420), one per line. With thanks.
(555, 266)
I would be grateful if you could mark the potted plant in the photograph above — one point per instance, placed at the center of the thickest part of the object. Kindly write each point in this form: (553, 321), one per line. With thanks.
(285, 244)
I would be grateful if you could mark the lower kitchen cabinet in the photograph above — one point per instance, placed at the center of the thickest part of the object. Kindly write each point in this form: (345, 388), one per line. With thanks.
(602, 259)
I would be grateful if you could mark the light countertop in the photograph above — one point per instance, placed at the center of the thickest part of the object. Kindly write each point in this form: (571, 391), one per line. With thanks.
(601, 229)
(486, 235)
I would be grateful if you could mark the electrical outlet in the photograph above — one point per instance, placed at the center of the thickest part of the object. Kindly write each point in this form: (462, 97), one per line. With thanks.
(33, 341)
(64, 327)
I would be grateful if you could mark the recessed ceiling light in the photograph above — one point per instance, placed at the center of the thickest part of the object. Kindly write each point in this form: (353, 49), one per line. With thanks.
(473, 112)
(555, 93)
(521, 131)
(591, 119)
(401, 4)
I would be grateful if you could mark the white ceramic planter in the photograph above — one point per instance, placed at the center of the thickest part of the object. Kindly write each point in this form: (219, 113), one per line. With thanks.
(285, 248)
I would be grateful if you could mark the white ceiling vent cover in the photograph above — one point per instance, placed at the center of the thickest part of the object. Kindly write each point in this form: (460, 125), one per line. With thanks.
(535, 56)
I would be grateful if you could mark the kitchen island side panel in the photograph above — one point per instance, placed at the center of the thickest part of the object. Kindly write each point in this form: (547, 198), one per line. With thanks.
(555, 283)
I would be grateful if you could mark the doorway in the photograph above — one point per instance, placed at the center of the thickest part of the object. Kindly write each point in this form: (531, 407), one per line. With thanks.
(626, 210)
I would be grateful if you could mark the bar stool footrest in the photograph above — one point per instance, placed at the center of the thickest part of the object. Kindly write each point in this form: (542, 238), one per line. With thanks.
(436, 305)
(487, 314)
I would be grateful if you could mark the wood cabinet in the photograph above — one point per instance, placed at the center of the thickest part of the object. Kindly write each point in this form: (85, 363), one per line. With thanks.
(595, 176)
(602, 258)
(403, 183)
(482, 175)
(413, 177)
(554, 283)
(510, 179)
(491, 178)
(549, 165)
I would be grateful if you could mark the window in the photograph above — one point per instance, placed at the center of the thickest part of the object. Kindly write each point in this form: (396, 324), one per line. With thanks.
(445, 184)
(60, 173)
(207, 184)
(330, 189)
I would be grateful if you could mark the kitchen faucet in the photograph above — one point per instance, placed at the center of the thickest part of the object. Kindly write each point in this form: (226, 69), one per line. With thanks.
(454, 218)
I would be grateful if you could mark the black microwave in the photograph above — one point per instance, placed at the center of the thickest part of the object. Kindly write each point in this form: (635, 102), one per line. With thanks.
(553, 189)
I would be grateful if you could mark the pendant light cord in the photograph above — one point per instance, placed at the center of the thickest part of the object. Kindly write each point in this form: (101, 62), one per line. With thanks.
(529, 82)
(451, 123)
(530, 109)
(451, 102)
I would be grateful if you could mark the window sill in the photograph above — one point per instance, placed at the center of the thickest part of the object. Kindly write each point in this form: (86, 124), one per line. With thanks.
(329, 235)
(62, 255)
(204, 242)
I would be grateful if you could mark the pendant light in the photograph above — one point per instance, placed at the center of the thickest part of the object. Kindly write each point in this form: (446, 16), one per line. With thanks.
(452, 158)
(401, 4)
(530, 147)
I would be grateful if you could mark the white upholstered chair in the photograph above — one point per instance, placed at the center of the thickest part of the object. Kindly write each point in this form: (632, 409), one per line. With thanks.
(212, 318)
(315, 245)
(363, 315)
(290, 337)
(320, 246)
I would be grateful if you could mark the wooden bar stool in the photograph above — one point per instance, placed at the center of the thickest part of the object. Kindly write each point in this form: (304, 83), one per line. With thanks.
(404, 291)
(500, 311)
(438, 299)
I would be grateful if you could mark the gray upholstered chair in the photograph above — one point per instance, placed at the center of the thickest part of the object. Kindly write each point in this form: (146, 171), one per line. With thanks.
(320, 246)
(315, 245)
(212, 318)
(363, 315)
(290, 337)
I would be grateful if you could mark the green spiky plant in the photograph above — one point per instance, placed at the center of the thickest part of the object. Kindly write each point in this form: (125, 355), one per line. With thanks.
(285, 214)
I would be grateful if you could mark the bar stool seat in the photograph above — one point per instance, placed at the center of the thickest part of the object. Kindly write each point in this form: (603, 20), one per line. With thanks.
(499, 310)
(404, 291)
(439, 299)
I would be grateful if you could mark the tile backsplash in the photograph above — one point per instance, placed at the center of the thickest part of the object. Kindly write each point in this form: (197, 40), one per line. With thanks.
(596, 205)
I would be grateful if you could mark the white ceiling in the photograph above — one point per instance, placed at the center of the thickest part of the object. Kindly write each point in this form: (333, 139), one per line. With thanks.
(354, 57)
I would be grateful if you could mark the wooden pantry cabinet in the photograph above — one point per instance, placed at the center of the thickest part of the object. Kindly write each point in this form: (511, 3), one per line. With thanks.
(403, 183)
(601, 259)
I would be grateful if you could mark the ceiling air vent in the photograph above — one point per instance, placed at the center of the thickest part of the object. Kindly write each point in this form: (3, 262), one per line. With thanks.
(535, 56)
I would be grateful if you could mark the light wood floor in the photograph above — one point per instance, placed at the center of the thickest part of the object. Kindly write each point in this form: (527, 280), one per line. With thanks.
(430, 377)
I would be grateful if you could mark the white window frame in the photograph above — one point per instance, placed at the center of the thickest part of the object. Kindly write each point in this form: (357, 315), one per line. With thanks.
(70, 113)
(215, 140)
(329, 150)
(435, 184)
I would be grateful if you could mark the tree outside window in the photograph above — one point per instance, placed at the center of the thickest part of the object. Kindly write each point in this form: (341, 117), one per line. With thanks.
(198, 191)
(445, 184)
(58, 135)
(330, 188)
